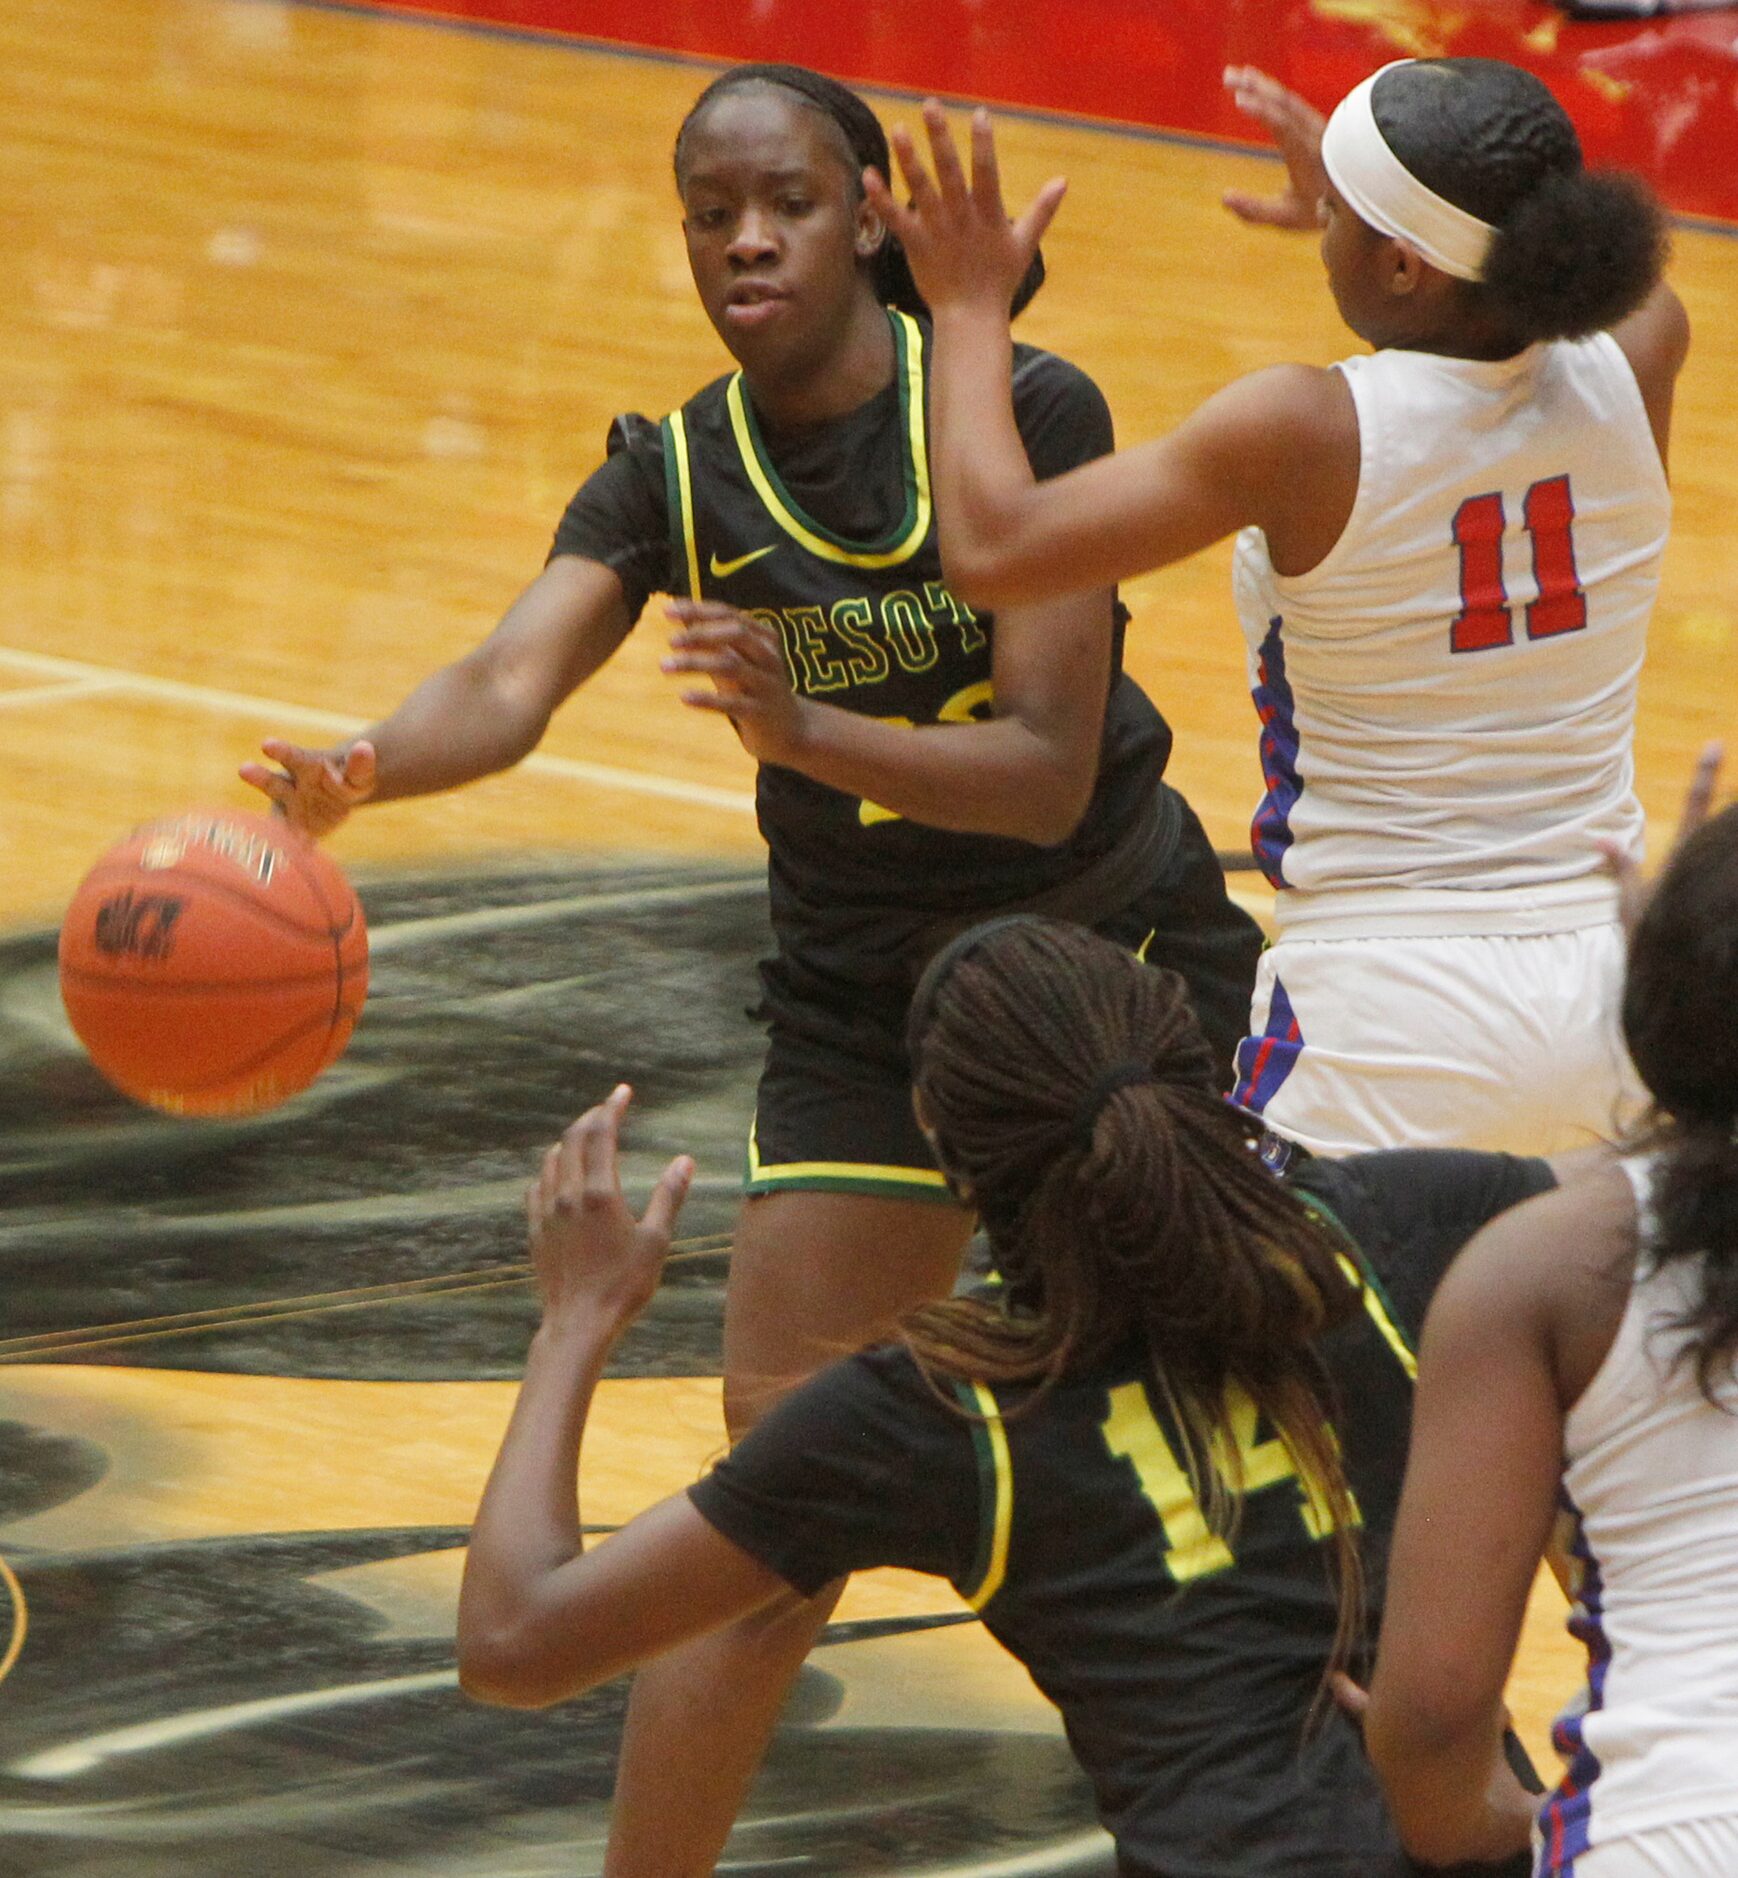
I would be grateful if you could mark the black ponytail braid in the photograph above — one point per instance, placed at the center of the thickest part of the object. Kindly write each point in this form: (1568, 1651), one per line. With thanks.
(1075, 1100)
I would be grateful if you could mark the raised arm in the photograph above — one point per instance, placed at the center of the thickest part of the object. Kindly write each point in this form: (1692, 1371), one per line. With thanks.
(541, 1618)
(481, 714)
(1278, 449)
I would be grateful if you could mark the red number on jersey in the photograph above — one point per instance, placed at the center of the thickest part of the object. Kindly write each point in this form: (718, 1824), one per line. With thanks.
(1561, 606)
(1484, 602)
(1484, 619)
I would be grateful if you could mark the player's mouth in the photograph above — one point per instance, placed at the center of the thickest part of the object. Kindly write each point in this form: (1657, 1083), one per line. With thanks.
(753, 303)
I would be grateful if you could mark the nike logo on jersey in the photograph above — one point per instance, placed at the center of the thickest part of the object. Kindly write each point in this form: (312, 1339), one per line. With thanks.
(722, 570)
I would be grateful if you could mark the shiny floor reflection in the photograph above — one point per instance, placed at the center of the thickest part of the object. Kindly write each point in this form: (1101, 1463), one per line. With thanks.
(252, 1376)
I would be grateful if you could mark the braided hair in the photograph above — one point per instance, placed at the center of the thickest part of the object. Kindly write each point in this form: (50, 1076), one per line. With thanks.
(1074, 1099)
(1680, 1020)
(865, 148)
(1576, 250)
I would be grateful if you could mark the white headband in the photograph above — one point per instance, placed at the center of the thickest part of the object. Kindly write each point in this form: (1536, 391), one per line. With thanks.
(1379, 189)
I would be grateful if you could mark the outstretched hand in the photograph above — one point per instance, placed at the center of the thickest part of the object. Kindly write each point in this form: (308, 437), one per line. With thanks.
(592, 1258)
(316, 789)
(1296, 127)
(1634, 889)
(745, 661)
(962, 247)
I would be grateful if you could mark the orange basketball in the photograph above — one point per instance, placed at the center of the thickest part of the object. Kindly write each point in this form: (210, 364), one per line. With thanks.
(214, 963)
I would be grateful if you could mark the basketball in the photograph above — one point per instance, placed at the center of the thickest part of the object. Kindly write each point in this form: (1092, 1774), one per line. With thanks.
(214, 963)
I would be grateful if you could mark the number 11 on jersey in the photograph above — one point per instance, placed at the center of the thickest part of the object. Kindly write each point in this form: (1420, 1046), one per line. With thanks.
(1485, 618)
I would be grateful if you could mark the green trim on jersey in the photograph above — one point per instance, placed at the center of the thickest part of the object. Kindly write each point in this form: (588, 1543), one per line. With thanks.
(913, 527)
(679, 496)
(995, 1494)
(889, 1183)
(1377, 1305)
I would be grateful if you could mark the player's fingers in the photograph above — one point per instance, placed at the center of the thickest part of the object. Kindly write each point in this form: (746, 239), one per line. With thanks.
(729, 629)
(950, 175)
(1699, 798)
(357, 774)
(1029, 229)
(549, 1180)
(693, 611)
(916, 178)
(534, 1205)
(594, 1146)
(731, 704)
(1264, 211)
(723, 667)
(986, 168)
(667, 1197)
(270, 781)
(762, 647)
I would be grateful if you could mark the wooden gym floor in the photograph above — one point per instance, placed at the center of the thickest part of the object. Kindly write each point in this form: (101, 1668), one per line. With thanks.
(311, 324)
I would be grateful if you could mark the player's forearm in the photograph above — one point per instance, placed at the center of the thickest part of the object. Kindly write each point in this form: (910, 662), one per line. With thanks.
(984, 486)
(528, 1522)
(459, 725)
(1452, 1795)
(996, 778)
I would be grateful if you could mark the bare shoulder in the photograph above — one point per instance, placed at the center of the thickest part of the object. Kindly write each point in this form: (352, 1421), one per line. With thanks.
(1655, 338)
(1552, 1272)
(1288, 408)
(1292, 431)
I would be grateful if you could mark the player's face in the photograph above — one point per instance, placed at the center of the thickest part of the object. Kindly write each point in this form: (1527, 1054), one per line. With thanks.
(776, 229)
(1351, 254)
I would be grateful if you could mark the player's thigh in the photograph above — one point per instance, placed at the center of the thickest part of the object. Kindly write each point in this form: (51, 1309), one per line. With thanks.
(816, 1275)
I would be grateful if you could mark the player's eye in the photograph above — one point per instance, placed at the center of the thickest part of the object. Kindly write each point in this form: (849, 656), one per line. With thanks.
(708, 220)
(795, 205)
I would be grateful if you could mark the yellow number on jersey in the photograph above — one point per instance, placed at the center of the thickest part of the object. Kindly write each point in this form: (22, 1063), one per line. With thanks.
(1192, 1548)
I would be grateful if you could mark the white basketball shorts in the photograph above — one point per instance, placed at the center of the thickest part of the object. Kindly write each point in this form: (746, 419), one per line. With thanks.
(1475, 1041)
(1695, 1848)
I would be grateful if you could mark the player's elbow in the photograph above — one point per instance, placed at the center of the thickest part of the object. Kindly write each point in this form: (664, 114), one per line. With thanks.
(510, 1659)
(983, 575)
(1051, 814)
(982, 558)
(507, 1669)
(1419, 1760)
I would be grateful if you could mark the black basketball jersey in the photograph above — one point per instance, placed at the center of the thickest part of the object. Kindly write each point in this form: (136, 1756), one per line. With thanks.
(870, 626)
(1184, 1661)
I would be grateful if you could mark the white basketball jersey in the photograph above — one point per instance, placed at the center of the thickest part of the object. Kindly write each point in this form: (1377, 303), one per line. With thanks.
(1652, 1477)
(1448, 699)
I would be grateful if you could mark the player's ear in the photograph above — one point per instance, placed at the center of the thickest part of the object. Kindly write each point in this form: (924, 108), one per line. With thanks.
(871, 230)
(1406, 269)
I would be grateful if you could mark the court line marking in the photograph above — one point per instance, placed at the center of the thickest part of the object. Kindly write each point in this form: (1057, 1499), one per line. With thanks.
(67, 688)
(82, 677)
(240, 703)
(80, 1757)
(47, 1343)
(20, 1618)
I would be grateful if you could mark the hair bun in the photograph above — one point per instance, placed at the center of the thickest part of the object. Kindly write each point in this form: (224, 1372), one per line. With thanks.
(1579, 252)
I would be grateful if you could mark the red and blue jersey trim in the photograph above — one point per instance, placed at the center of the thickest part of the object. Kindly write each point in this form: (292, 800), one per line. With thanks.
(1564, 1823)
(1264, 1062)
(1270, 833)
